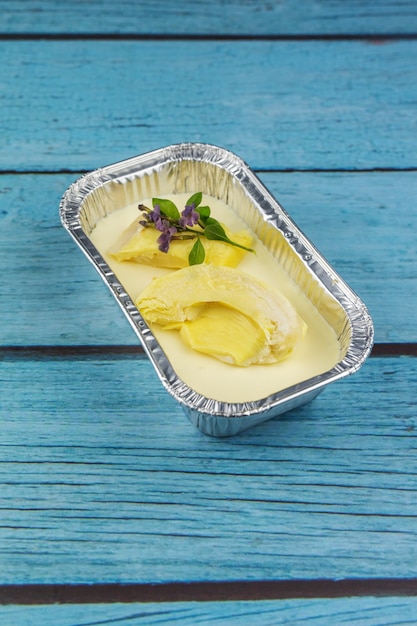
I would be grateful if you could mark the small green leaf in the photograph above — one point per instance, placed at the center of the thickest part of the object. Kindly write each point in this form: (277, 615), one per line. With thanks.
(168, 208)
(214, 230)
(204, 212)
(195, 199)
(197, 253)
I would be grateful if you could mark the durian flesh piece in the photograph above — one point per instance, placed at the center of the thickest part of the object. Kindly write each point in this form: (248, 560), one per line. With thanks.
(140, 245)
(225, 313)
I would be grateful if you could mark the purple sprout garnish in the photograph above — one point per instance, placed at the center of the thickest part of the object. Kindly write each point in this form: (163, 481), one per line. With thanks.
(152, 216)
(189, 216)
(168, 233)
(156, 217)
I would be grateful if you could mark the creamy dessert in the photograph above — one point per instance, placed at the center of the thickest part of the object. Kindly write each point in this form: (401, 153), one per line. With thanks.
(309, 345)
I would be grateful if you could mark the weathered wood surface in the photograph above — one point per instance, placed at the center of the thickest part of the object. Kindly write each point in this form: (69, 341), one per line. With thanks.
(353, 611)
(104, 479)
(208, 17)
(363, 223)
(278, 104)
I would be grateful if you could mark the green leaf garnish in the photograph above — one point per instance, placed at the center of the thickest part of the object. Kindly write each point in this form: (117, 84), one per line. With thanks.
(214, 230)
(195, 199)
(168, 208)
(197, 253)
(204, 212)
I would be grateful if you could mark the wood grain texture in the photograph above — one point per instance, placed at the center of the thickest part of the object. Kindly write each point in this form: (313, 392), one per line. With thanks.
(209, 17)
(279, 105)
(353, 611)
(364, 224)
(103, 479)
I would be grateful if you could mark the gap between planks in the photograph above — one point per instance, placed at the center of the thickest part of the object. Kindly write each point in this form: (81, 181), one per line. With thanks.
(377, 38)
(106, 593)
(15, 353)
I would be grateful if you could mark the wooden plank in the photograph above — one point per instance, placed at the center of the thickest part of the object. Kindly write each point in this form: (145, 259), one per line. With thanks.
(103, 479)
(278, 104)
(363, 223)
(360, 611)
(209, 17)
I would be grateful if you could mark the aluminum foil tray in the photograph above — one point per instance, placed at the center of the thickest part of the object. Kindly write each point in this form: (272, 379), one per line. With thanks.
(191, 167)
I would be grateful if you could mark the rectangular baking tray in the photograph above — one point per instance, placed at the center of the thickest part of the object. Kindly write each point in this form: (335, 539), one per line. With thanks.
(188, 167)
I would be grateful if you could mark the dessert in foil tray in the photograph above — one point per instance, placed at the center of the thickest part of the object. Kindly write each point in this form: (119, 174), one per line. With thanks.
(240, 315)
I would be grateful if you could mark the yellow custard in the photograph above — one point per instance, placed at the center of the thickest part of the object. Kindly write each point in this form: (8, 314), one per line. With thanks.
(318, 352)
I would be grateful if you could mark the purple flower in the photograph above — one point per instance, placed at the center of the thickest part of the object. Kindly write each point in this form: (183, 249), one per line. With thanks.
(151, 217)
(165, 238)
(156, 217)
(189, 217)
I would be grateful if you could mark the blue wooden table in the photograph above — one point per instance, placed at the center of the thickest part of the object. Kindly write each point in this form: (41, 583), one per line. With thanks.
(114, 508)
